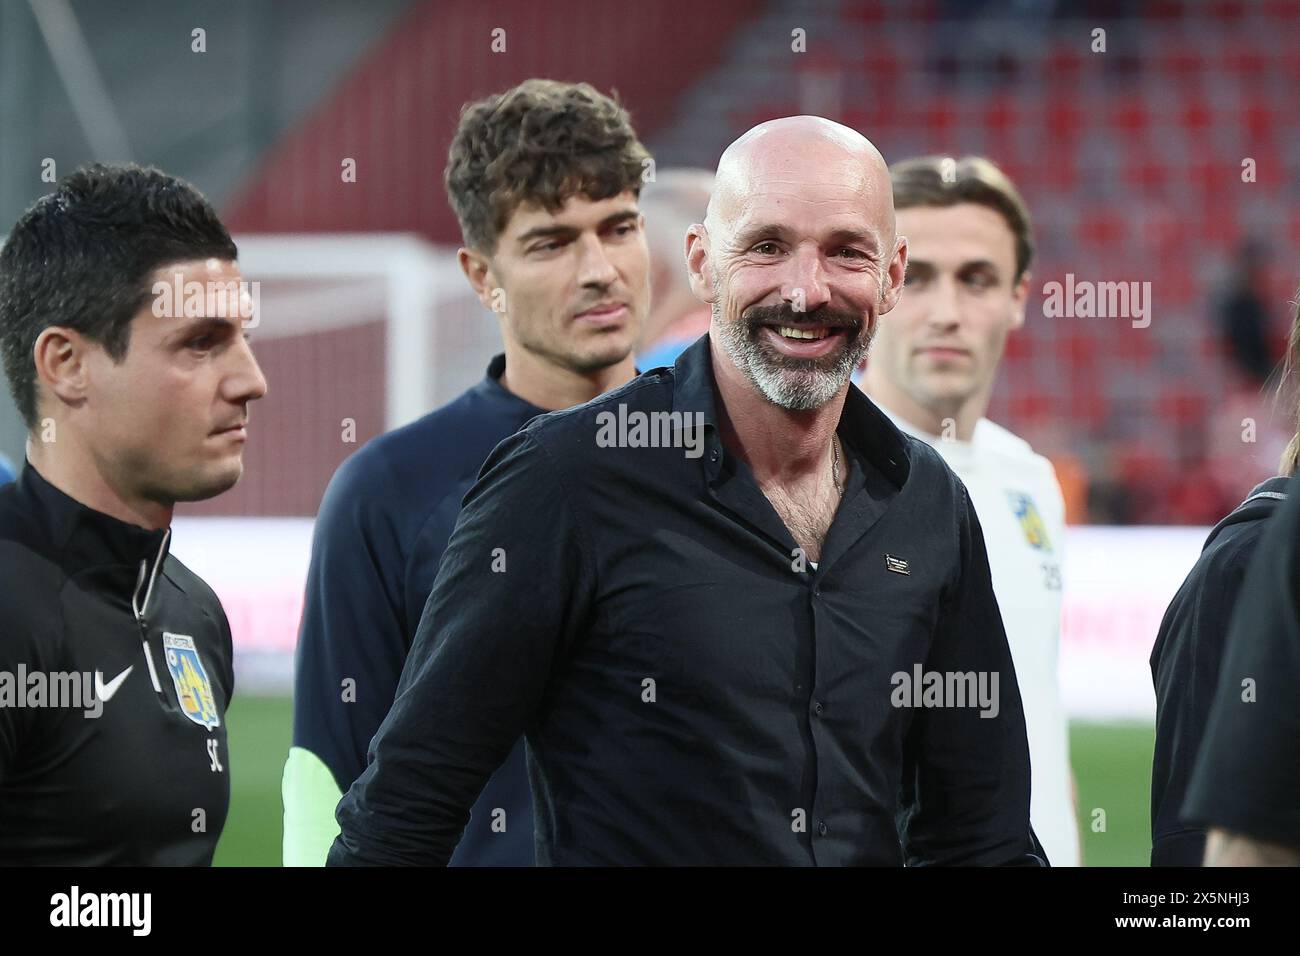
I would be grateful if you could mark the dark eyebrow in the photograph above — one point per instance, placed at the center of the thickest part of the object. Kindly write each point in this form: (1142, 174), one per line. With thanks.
(207, 324)
(751, 234)
(923, 267)
(568, 232)
(840, 236)
(976, 264)
(538, 232)
(617, 218)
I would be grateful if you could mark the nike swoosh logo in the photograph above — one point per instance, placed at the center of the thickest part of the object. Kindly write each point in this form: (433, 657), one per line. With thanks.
(106, 691)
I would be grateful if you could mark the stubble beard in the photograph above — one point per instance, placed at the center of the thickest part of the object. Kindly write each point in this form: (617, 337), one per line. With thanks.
(795, 384)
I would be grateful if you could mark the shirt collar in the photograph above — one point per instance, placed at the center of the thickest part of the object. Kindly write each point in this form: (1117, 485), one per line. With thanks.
(491, 389)
(85, 537)
(862, 424)
(1275, 487)
(934, 441)
(907, 428)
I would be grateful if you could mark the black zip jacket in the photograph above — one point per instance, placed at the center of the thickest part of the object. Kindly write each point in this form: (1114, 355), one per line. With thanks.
(115, 674)
(1185, 664)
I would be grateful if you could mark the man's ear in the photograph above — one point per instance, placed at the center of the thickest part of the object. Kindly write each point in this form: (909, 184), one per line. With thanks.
(478, 270)
(61, 356)
(895, 274)
(1019, 297)
(698, 267)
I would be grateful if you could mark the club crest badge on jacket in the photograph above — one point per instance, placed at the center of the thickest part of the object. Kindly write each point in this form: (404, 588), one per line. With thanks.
(193, 689)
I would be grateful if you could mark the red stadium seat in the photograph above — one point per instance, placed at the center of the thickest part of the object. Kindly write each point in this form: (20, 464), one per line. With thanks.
(1129, 117)
(1181, 404)
(1196, 117)
(1102, 228)
(1002, 115)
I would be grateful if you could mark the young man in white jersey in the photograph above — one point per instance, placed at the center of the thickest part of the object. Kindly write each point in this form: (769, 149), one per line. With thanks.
(931, 369)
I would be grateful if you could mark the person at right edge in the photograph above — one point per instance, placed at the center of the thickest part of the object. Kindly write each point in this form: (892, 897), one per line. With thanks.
(1245, 787)
(1189, 650)
(738, 616)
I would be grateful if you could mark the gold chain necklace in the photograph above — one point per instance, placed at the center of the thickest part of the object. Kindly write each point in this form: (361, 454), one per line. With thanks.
(835, 464)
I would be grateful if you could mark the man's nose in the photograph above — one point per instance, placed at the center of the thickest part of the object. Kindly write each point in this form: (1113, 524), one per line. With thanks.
(245, 382)
(945, 306)
(594, 267)
(806, 284)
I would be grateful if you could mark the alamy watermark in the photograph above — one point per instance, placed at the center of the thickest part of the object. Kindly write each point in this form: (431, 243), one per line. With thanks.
(1085, 299)
(133, 911)
(74, 690)
(943, 689)
(214, 299)
(638, 429)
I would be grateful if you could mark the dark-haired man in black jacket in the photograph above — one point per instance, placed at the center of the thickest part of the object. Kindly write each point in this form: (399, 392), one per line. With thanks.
(115, 660)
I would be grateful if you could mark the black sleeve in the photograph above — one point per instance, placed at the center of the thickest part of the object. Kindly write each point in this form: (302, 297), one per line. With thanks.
(30, 635)
(965, 796)
(1185, 673)
(1247, 778)
(227, 647)
(512, 593)
(353, 640)
(13, 720)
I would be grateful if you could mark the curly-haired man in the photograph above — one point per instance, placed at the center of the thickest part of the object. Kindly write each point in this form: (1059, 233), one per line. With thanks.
(544, 179)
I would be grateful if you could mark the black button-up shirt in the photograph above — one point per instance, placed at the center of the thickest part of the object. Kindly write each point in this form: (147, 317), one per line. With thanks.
(692, 690)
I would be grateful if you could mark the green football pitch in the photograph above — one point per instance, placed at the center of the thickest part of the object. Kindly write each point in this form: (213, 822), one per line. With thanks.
(1112, 763)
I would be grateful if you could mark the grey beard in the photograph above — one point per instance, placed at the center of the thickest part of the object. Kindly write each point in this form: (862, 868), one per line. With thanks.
(800, 388)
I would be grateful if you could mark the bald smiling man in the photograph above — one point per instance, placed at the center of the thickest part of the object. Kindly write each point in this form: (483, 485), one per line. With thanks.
(737, 615)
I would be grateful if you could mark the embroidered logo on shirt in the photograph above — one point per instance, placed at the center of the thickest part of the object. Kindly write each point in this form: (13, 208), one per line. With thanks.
(897, 565)
(1031, 522)
(105, 691)
(193, 689)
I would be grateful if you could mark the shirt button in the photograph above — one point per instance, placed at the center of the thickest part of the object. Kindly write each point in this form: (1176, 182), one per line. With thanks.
(822, 828)
(713, 455)
(817, 708)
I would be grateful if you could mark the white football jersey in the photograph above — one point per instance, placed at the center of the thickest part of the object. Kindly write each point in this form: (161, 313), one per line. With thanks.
(1020, 508)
